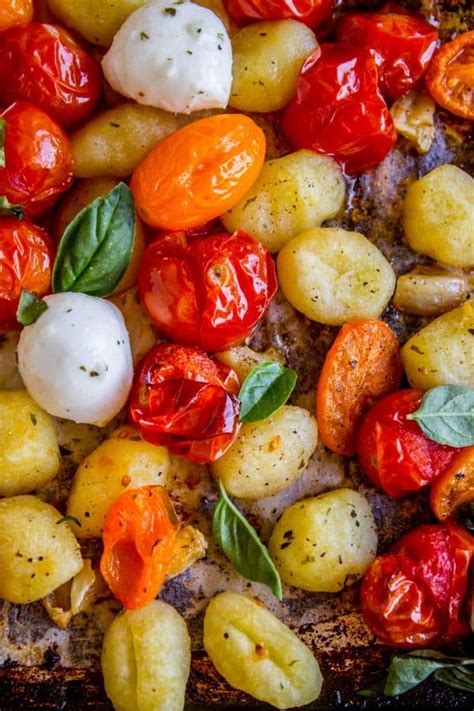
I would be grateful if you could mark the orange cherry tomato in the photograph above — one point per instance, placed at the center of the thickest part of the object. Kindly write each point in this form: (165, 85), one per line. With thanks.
(450, 78)
(139, 538)
(455, 486)
(198, 172)
(14, 13)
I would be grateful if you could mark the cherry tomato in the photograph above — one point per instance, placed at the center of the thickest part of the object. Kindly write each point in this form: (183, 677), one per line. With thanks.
(26, 260)
(403, 45)
(311, 12)
(455, 486)
(184, 400)
(198, 172)
(41, 63)
(338, 109)
(207, 292)
(395, 454)
(139, 540)
(15, 12)
(416, 594)
(38, 159)
(450, 78)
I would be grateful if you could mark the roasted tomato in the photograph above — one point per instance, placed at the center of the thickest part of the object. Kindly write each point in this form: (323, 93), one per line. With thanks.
(450, 78)
(26, 260)
(199, 172)
(338, 109)
(41, 63)
(403, 45)
(455, 486)
(311, 12)
(207, 292)
(15, 12)
(416, 594)
(184, 400)
(38, 159)
(139, 539)
(395, 454)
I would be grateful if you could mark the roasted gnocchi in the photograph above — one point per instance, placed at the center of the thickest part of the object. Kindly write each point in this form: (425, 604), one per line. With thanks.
(242, 359)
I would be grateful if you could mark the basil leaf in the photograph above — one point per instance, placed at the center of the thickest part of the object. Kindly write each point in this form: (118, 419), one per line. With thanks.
(446, 415)
(96, 246)
(7, 209)
(68, 518)
(265, 389)
(3, 131)
(29, 308)
(240, 543)
(457, 678)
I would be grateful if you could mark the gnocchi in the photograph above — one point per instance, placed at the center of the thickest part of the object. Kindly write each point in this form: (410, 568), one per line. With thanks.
(242, 359)
(141, 331)
(334, 276)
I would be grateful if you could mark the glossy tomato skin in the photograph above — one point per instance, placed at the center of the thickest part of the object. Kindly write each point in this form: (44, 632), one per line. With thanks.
(338, 109)
(403, 45)
(395, 454)
(42, 64)
(184, 400)
(415, 595)
(312, 12)
(450, 77)
(26, 260)
(14, 13)
(208, 292)
(38, 159)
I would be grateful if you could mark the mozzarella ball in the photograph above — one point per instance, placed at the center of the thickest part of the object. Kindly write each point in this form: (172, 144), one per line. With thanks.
(173, 55)
(75, 360)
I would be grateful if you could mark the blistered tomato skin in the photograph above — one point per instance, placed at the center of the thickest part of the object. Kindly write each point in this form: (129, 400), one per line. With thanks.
(14, 13)
(26, 259)
(338, 109)
(450, 77)
(207, 292)
(38, 159)
(312, 12)
(198, 172)
(184, 400)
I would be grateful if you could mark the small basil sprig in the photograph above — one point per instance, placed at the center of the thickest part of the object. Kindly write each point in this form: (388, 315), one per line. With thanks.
(265, 389)
(242, 546)
(29, 308)
(3, 131)
(7, 209)
(408, 670)
(96, 246)
(446, 415)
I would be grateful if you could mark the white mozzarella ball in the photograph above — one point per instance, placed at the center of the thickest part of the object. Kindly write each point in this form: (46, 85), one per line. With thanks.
(173, 55)
(75, 360)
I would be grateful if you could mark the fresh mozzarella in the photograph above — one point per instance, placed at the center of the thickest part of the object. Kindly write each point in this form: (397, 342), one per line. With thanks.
(173, 55)
(75, 360)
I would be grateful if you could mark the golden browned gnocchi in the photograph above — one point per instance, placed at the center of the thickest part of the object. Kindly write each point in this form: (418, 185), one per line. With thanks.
(269, 455)
(146, 659)
(268, 57)
(442, 353)
(334, 276)
(29, 451)
(291, 194)
(258, 654)
(439, 216)
(38, 553)
(325, 543)
(242, 359)
(141, 331)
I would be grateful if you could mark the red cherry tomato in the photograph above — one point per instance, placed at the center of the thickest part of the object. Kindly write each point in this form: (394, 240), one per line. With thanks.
(183, 400)
(38, 159)
(207, 292)
(403, 45)
(416, 594)
(395, 454)
(312, 12)
(338, 109)
(41, 63)
(26, 259)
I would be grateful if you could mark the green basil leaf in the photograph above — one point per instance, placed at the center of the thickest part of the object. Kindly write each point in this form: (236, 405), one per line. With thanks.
(407, 672)
(456, 677)
(242, 546)
(68, 518)
(446, 415)
(3, 131)
(265, 389)
(29, 308)
(96, 246)
(7, 209)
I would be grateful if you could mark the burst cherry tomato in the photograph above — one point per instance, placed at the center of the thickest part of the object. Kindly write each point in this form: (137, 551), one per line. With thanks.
(15, 12)
(183, 400)
(338, 109)
(311, 12)
(207, 292)
(38, 159)
(455, 486)
(199, 172)
(395, 454)
(450, 78)
(416, 594)
(26, 258)
(41, 63)
(403, 45)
